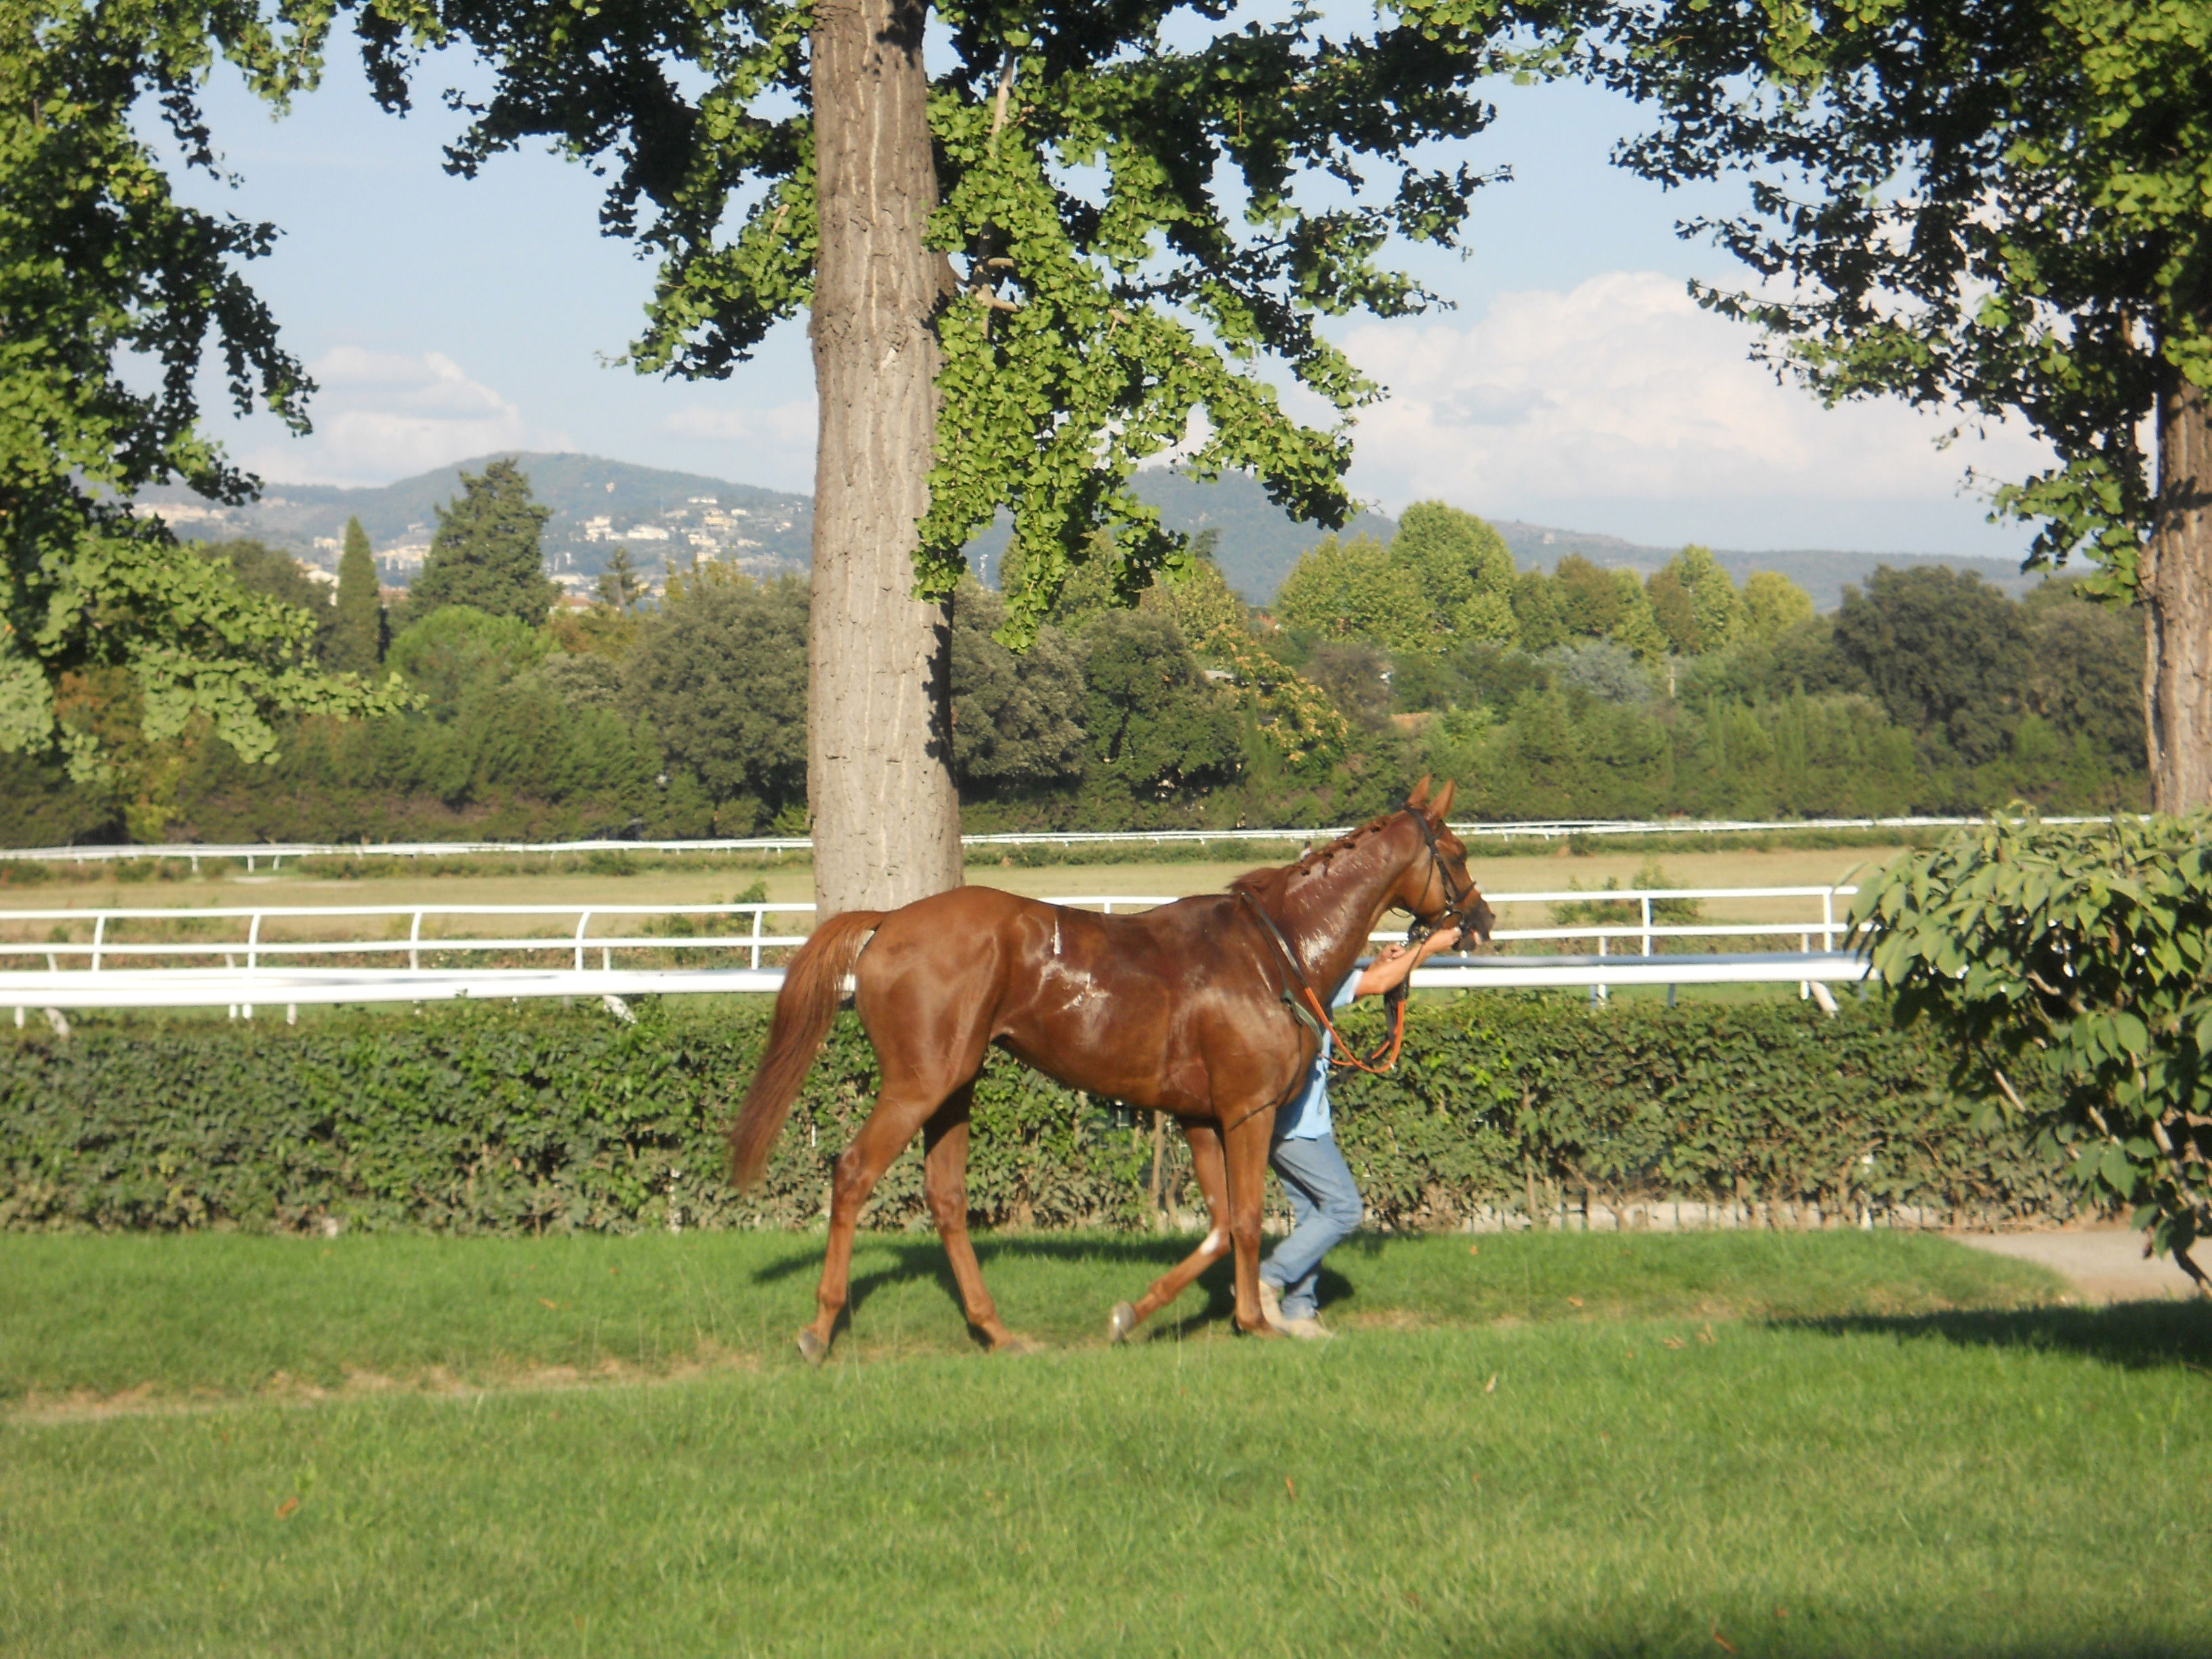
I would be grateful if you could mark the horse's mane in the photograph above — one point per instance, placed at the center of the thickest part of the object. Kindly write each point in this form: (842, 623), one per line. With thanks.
(1267, 883)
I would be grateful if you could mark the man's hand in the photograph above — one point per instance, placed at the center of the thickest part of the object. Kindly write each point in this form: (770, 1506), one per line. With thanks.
(1393, 962)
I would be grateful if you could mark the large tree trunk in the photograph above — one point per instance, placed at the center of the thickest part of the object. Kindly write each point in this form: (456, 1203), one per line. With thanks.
(879, 779)
(2177, 595)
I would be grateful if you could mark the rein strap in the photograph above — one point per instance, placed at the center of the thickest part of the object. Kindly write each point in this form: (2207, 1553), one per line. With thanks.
(1309, 1011)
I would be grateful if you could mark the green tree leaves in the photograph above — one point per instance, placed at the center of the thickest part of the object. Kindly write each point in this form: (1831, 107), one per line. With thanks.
(356, 633)
(1985, 212)
(1015, 718)
(720, 674)
(1156, 726)
(2081, 949)
(1355, 590)
(485, 553)
(1446, 578)
(1946, 654)
(101, 266)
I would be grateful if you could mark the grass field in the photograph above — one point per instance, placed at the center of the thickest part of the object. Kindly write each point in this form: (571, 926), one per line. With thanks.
(1834, 1444)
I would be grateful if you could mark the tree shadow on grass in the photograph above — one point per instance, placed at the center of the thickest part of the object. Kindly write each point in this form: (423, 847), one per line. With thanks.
(2137, 1336)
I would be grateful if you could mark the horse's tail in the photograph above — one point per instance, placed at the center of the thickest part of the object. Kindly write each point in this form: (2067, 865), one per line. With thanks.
(813, 987)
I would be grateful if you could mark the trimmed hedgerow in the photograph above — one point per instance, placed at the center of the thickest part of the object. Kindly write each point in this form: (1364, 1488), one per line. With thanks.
(486, 1120)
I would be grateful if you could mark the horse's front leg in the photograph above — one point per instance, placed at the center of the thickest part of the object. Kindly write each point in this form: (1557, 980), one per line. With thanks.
(1246, 1142)
(1206, 1162)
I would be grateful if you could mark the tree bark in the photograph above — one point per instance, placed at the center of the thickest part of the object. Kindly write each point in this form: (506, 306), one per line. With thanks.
(879, 780)
(2176, 584)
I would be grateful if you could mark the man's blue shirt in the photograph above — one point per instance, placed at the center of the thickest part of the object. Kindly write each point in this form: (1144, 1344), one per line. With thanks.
(1305, 1118)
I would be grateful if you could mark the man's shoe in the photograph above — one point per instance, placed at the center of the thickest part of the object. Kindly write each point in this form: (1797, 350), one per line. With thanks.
(1271, 1305)
(1307, 1329)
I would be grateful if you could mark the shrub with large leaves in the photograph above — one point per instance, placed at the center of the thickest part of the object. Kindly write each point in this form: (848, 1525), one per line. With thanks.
(2088, 944)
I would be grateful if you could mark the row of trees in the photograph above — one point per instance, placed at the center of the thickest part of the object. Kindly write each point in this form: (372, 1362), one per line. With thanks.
(1447, 579)
(1585, 692)
(1588, 692)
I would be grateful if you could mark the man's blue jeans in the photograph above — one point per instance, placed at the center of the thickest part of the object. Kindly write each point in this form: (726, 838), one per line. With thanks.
(1325, 1207)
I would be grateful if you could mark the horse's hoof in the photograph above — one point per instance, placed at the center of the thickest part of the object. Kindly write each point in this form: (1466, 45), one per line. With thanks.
(812, 1348)
(1262, 1329)
(1120, 1322)
(1015, 1347)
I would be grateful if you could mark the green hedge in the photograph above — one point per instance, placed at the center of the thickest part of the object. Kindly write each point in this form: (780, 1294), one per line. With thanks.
(501, 1120)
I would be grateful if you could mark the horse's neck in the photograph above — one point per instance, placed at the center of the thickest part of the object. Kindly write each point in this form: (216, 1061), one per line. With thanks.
(1330, 914)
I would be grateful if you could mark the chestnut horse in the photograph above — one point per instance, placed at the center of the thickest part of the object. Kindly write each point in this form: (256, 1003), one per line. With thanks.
(1188, 1009)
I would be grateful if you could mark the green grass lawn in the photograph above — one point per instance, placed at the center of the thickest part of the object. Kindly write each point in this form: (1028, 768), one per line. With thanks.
(187, 1316)
(1839, 1444)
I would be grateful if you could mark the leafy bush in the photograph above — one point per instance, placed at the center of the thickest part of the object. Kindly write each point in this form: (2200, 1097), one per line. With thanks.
(477, 1119)
(2081, 949)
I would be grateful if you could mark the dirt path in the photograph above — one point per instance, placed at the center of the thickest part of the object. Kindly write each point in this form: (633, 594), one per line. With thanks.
(2104, 1264)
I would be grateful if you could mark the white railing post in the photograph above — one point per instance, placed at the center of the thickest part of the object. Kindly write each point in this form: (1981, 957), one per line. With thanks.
(98, 931)
(1598, 991)
(757, 917)
(1646, 902)
(1828, 919)
(583, 922)
(414, 939)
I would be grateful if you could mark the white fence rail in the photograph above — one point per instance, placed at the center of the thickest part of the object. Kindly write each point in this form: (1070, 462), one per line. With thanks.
(273, 854)
(245, 964)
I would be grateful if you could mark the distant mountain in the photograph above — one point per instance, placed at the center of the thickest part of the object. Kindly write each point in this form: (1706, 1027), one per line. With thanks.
(597, 505)
(1256, 543)
(1822, 573)
(665, 517)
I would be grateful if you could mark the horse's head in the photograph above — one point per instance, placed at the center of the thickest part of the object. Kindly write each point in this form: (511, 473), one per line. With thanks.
(1440, 893)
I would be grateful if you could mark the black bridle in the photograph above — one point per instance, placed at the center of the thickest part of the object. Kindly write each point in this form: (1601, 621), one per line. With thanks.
(1459, 901)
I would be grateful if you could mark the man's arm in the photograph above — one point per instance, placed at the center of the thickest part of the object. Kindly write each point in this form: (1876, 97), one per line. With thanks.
(1393, 962)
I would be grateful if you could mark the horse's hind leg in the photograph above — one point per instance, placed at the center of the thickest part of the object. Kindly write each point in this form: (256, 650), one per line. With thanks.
(1246, 1145)
(944, 1184)
(1206, 1162)
(889, 1127)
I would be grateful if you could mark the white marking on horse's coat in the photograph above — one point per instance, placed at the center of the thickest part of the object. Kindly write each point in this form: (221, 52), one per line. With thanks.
(849, 987)
(1213, 1240)
(1056, 932)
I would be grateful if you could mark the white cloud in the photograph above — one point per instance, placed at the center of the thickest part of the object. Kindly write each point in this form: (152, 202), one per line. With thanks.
(1622, 389)
(765, 443)
(381, 416)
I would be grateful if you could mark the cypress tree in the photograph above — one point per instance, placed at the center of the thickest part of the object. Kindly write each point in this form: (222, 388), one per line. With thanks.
(485, 553)
(355, 638)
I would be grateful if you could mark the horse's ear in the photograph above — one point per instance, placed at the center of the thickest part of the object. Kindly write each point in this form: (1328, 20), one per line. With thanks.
(1420, 798)
(1442, 803)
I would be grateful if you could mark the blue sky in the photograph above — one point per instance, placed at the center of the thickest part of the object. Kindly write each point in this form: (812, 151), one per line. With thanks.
(1573, 384)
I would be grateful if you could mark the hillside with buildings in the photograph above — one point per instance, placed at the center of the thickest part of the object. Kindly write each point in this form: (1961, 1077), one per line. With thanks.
(665, 519)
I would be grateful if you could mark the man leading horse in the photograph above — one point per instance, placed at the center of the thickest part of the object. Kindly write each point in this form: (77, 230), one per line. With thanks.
(1205, 1009)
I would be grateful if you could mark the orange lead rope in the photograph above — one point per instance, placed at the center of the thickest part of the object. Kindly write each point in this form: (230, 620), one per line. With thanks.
(1383, 1060)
